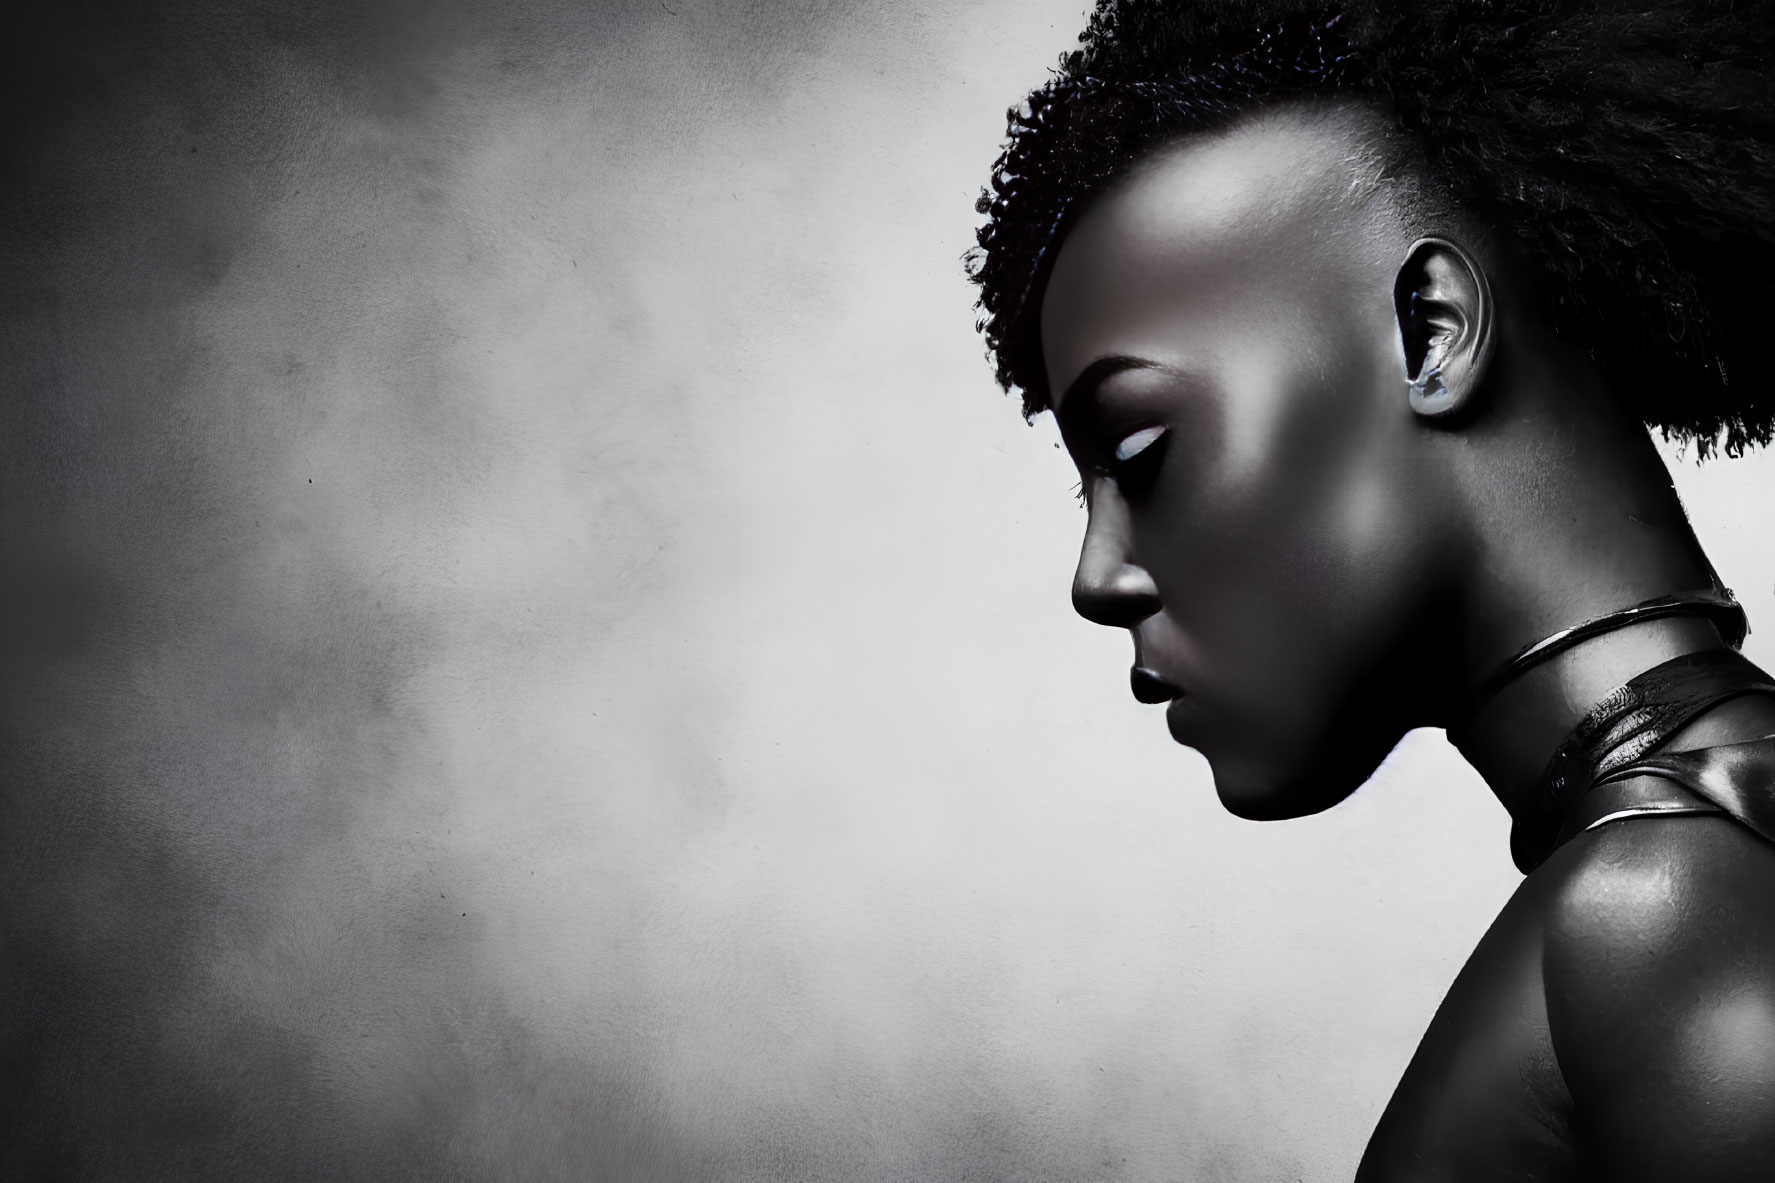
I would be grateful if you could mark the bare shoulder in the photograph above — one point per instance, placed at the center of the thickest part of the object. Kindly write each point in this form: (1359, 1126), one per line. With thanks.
(1659, 970)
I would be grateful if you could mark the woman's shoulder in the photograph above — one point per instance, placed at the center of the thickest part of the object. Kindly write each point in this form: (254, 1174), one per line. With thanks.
(1659, 971)
(1640, 889)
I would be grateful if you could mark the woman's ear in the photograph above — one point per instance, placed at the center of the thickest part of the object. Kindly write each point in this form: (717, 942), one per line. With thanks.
(1444, 308)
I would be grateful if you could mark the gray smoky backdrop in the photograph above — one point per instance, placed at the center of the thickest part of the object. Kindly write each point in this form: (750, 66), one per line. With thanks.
(535, 650)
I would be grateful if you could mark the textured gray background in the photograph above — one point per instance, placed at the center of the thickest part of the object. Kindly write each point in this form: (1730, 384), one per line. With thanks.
(533, 648)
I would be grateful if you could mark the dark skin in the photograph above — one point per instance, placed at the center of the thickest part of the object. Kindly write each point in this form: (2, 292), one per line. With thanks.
(1312, 560)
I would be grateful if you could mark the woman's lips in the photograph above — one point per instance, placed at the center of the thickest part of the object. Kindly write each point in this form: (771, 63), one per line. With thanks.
(1149, 687)
(1183, 722)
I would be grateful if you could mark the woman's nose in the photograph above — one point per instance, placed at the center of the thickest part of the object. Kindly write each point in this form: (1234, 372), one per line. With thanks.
(1109, 587)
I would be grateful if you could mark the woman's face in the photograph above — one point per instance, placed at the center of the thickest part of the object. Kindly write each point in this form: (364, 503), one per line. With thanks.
(1219, 337)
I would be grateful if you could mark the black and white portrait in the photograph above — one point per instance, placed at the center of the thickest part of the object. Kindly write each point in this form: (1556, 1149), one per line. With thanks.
(976, 590)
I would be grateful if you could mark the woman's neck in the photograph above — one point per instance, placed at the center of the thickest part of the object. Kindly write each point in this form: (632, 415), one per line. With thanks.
(1571, 515)
(1516, 731)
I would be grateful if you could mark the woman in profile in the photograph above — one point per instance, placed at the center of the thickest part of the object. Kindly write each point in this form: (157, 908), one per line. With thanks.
(1353, 321)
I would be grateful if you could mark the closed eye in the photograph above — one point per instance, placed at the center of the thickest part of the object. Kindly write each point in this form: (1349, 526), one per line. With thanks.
(1137, 461)
(1133, 445)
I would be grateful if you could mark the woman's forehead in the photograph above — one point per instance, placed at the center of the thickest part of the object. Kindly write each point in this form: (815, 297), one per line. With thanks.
(1206, 218)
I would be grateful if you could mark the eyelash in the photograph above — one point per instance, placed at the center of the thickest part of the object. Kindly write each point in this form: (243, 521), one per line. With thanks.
(1129, 473)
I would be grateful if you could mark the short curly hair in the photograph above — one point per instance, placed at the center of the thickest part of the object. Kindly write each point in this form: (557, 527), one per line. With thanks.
(1627, 148)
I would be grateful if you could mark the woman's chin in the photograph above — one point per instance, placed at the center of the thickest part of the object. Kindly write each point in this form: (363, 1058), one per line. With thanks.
(1266, 794)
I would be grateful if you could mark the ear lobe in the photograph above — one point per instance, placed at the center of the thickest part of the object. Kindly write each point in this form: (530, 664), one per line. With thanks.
(1444, 309)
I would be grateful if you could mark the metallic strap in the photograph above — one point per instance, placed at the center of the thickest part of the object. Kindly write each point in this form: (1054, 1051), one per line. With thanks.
(1716, 604)
(1736, 779)
(1671, 810)
(1616, 740)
